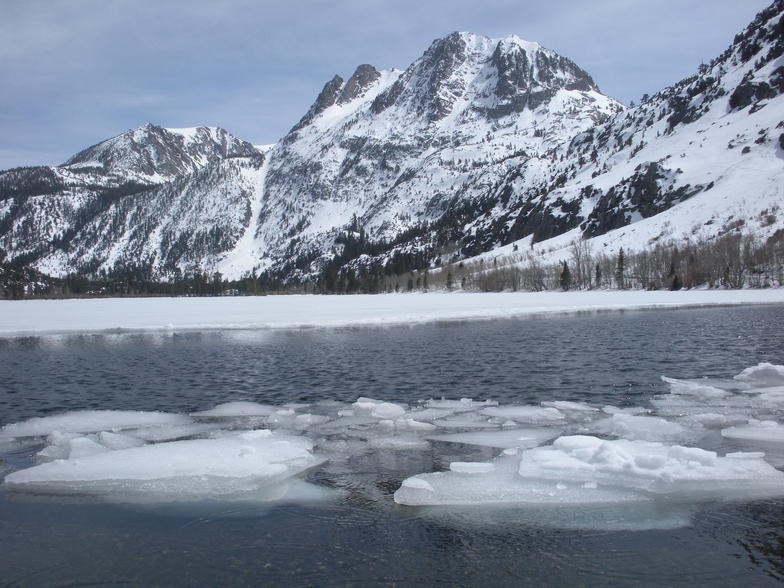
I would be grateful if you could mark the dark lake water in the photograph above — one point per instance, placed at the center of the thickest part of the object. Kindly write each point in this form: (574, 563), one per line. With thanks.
(361, 537)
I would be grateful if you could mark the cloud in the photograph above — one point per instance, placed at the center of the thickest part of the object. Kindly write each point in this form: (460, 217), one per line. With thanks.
(75, 72)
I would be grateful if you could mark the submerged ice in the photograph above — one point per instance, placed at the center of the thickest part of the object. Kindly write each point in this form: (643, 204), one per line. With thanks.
(703, 440)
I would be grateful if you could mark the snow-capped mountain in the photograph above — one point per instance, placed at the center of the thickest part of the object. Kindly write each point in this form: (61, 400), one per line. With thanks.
(153, 154)
(69, 218)
(697, 159)
(400, 148)
(476, 145)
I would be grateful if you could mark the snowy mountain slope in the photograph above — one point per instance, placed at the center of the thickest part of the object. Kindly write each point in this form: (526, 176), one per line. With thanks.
(709, 146)
(404, 147)
(481, 146)
(182, 224)
(61, 219)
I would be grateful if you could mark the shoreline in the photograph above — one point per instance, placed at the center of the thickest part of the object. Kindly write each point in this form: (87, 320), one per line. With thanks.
(166, 314)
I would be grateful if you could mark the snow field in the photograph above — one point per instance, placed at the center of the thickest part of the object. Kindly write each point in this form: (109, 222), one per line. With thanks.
(169, 315)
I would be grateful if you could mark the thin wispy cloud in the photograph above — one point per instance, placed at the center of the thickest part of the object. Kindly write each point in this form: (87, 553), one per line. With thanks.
(74, 72)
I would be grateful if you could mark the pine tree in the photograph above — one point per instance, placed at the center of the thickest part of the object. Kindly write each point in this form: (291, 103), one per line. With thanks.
(620, 268)
(566, 277)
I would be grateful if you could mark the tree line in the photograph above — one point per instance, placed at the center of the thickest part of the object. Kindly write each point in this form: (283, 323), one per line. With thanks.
(730, 261)
(733, 260)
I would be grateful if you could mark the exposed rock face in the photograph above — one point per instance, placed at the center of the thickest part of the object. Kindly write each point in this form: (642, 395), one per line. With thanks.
(364, 77)
(326, 98)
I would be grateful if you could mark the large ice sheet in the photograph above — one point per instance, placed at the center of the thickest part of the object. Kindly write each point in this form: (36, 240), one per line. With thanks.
(581, 469)
(233, 464)
(91, 421)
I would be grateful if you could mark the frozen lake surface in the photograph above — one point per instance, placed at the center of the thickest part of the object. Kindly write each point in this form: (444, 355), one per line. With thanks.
(30, 317)
(575, 463)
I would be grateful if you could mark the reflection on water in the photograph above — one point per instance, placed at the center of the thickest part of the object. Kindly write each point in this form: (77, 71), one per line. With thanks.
(350, 531)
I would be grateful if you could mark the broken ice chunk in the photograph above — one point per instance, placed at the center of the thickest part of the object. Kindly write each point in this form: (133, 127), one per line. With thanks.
(566, 405)
(118, 441)
(462, 405)
(84, 447)
(471, 467)
(526, 414)
(765, 431)
(762, 375)
(643, 428)
(581, 469)
(692, 388)
(378, 408)
(526, 438)
(160, 433)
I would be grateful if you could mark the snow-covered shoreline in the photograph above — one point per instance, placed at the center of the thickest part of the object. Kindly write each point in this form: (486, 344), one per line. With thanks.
(36, 317)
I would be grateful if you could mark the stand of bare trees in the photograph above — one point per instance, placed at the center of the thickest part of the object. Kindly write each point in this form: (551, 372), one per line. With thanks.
(730, 261)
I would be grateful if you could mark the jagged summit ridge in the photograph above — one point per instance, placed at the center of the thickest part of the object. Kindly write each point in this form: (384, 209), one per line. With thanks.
(509, 72)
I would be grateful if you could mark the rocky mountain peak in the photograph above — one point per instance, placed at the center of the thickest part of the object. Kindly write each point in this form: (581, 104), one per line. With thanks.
(326, 98)
(153, 153)
(362, 78)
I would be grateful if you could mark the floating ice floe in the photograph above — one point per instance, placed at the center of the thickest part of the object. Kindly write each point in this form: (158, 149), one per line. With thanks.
(642, 428)
(558, 452)
(527, 414)
(506, 439)
(378, 408)
(765, 431)
(234, 464)
(584, 470)
(569, 406)
(159, 433)
(237, 409)
(91, 421)
(762, 375)
(693, 388)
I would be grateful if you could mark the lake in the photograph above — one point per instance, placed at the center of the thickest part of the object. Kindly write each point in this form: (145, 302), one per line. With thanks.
(349, 530)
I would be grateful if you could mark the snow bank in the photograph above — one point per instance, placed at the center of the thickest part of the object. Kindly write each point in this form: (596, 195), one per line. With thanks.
(274, 312)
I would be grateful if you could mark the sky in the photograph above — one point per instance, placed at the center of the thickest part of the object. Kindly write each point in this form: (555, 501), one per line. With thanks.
(75, 72)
